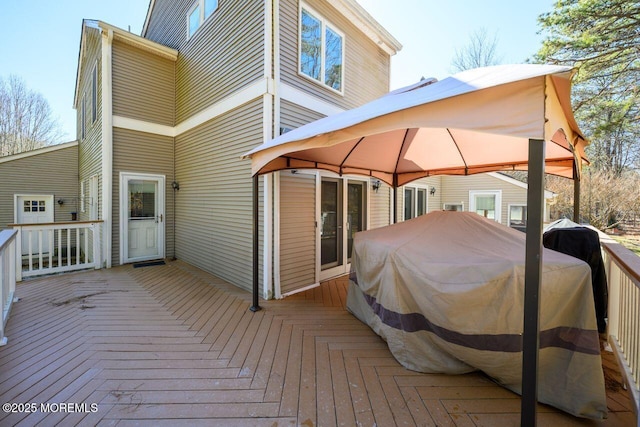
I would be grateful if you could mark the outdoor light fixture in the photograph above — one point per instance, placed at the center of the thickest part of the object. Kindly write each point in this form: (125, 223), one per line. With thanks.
(175, 185)
(60, 202)
(376, 185)
(432, 191)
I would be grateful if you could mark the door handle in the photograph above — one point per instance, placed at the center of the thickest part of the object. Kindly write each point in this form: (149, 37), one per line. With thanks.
(159, 218)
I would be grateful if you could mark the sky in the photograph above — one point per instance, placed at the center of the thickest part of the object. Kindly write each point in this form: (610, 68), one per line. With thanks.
(40, 42)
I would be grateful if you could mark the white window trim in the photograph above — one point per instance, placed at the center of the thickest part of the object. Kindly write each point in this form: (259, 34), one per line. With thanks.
(202, 19)
(416, 187)
(524, 205)
(83, 117)
(82, 198)
(94, 93)
(324, 23)
(93, 197)
(496, 193)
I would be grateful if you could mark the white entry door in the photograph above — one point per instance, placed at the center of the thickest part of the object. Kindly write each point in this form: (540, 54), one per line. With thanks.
(142, 217)
(34, 209)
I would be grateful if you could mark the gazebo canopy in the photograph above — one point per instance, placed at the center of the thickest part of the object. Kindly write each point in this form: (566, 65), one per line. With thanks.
(476, 121)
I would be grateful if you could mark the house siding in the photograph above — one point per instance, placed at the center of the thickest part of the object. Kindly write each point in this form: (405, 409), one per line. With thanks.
(213, 206)
(140, 152)
(293, 115)
(225, 55)
(50, 173)
(297, 231)
(380, 206)
(456, 189)
(90, 147)
(366, 68)
(143, 85)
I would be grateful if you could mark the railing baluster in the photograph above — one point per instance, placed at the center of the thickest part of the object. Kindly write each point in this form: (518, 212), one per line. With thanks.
(66, 239)
(59, 247)
(623, 277)
(40, 266)
(30, 251)
(68, 247)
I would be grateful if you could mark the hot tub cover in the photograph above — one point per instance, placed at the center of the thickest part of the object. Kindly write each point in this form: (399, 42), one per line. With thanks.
(446, 291)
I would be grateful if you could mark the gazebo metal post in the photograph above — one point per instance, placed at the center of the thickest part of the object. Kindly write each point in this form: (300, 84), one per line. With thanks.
(532, 279)
(255, 305)
(576, 198)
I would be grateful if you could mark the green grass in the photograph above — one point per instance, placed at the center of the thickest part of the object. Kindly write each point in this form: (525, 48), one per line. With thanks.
(630, 242)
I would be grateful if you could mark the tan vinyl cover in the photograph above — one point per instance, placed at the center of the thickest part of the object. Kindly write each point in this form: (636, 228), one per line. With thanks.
(445, 290)
(476, 121)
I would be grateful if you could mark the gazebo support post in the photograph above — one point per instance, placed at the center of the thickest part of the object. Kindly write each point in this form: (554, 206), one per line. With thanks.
(255, 304)
(576, 199)
(532, 279)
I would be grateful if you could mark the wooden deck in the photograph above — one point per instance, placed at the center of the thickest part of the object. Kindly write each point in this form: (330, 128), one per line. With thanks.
(172, 345)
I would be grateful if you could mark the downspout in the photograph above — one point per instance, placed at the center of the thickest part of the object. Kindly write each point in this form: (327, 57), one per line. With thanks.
(107, 145)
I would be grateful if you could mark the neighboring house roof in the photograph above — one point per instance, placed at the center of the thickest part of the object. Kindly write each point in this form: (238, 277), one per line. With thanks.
(353, 12)
(547, 194)
(123, 36)
(38, 151)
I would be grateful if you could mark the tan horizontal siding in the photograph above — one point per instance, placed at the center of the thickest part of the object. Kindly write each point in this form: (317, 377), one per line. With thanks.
(90, 148)
(213, 206)
(293, 116)
(141, 152)
(52, 173)
(367, 67)
(224, 56)
(456, 189)
(143, 85)
(297, 231)
(168, 22)
(380, 206)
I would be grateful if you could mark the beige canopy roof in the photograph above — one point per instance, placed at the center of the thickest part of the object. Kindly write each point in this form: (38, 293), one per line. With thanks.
(476, 121)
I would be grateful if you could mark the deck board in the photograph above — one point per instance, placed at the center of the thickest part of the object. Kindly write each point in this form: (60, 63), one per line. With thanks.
(175, 346)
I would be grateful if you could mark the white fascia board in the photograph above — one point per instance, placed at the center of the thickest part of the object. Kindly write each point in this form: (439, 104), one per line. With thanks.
(140, 42)
(145, 27)
(296, 96)
(368, 25)
(547, 194)
(249, 93)
(38, 151)
(143, 126)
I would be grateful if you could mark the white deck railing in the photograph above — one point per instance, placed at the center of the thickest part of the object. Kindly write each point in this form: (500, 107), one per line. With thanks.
(623, 278)
(57, 247)
(7, 277)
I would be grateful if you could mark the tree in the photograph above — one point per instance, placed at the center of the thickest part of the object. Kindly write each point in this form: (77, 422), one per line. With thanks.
(480, 52)
(600, 38)
(26, 121)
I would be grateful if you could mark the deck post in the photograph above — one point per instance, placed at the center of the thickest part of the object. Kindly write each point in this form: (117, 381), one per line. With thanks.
(255, 304)
(532, 279)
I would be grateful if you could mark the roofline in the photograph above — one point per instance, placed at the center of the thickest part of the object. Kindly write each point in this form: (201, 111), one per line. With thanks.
(125, 37)
(368, 25)
(143, 33)
(547, 193)
(38, 151)
(353, 12)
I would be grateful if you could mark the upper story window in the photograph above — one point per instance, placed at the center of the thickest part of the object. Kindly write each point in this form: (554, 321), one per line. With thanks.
(198, 13)
(321, 50)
